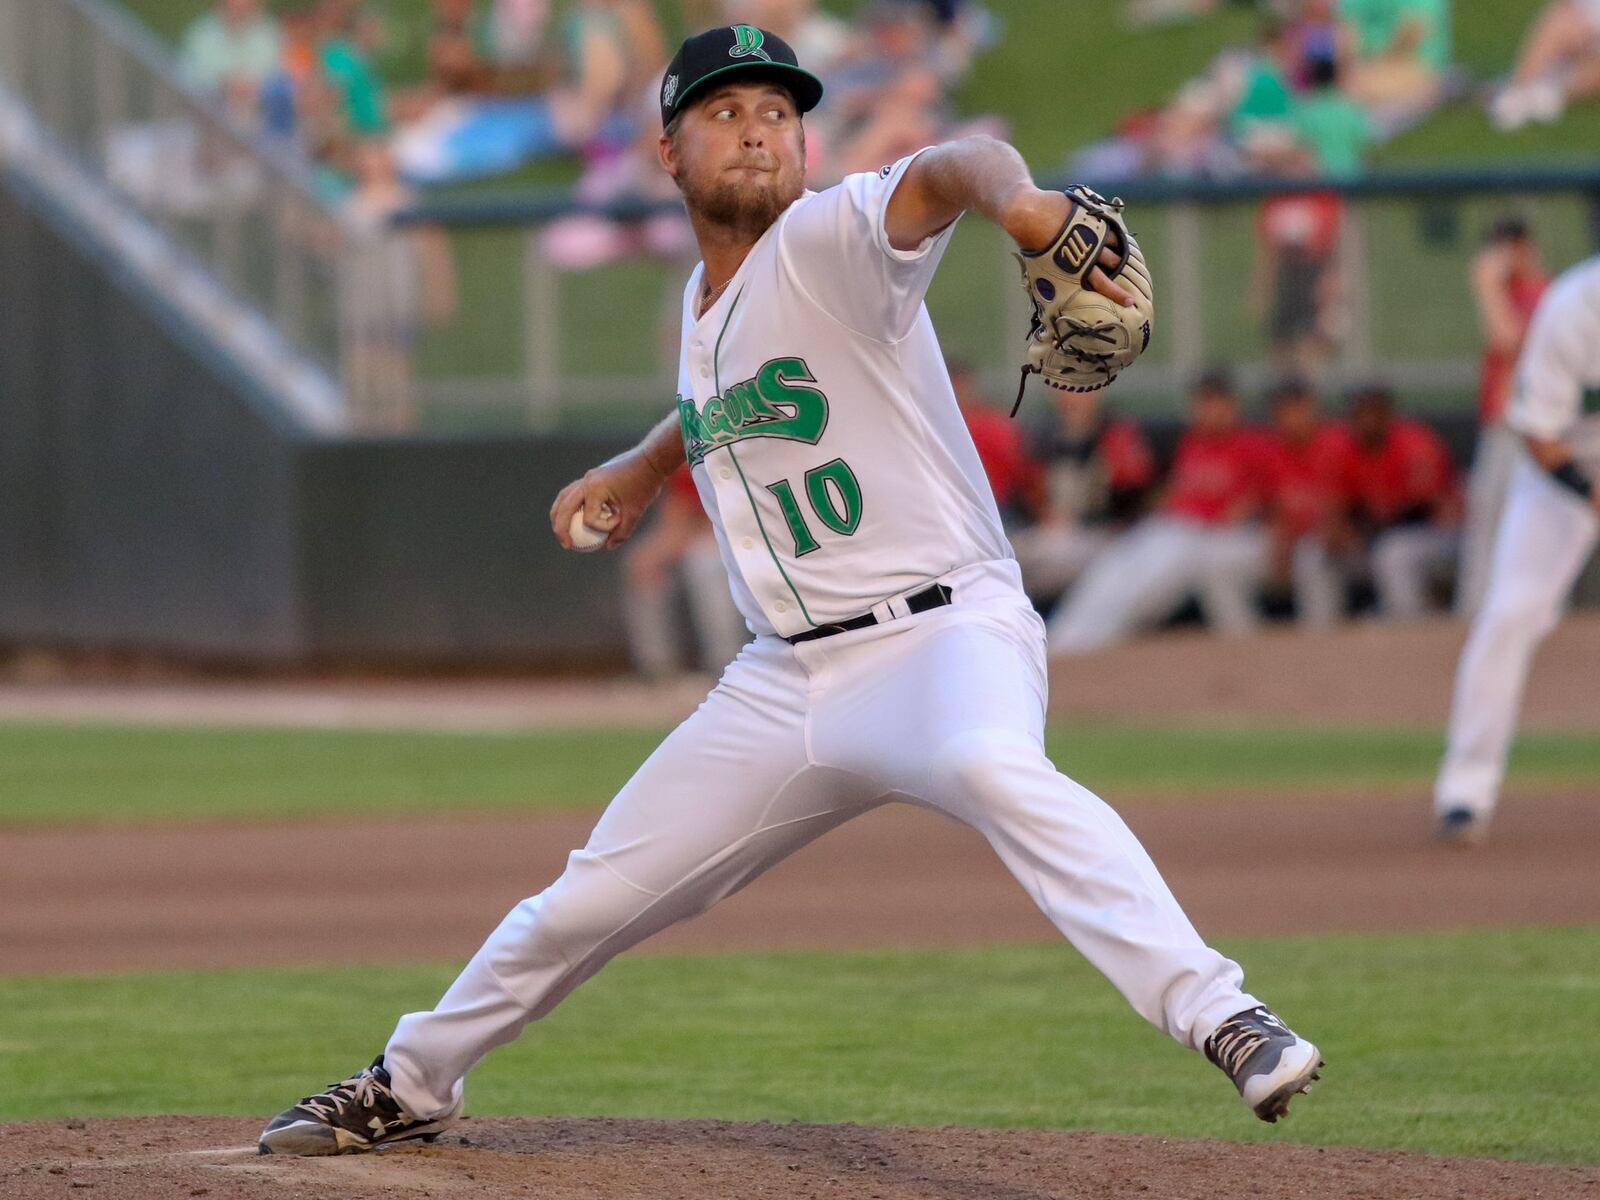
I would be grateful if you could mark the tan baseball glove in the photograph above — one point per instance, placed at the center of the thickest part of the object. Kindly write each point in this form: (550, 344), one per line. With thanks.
(1080, 340)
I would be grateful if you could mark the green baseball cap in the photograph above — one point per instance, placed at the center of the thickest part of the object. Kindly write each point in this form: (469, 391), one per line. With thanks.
(735, 52)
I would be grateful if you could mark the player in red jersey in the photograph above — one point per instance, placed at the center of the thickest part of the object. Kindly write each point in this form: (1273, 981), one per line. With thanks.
(1308, 459)
(1404, 508)
(999, 442)
(1096, 476)
(1508, 278)
(1206, 538)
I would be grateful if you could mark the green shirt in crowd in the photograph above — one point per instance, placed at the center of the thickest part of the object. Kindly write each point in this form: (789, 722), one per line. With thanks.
(1334, 128)
(1377, 21)
(1264, 96)
(347, 69)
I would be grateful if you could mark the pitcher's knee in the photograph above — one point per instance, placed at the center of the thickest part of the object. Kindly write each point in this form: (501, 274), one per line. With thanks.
(588, 905)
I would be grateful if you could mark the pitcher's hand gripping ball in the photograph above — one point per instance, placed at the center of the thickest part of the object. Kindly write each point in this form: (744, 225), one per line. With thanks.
(1080, 340)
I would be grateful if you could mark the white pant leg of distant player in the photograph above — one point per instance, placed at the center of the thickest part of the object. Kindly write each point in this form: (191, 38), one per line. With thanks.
(1319, 577)
(1487, 487)
(943, 709)
(1547, 533)
(1232, 565)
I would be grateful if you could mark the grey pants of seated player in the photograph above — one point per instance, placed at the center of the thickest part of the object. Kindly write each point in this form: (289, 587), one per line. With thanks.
(1145, 575)
(655, 643)
(1402, 563)
(944, 709)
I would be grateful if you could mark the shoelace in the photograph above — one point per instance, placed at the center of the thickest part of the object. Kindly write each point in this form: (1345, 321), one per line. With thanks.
(1235, 1042)
(361, 1089)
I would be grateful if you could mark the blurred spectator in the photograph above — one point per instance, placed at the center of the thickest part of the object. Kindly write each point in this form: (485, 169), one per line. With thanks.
(1296, 282)
(1404, 509)
(1559, 62)
(612, 48)
(1206, 539)
(1308, 460)
(1402, 54)
(1329, 124)
(516, 31)
(460, 52)
(678, 551)
(1238, 107)
(819, 39)
(888, 92)
(1096, 478)
(233, 49)
(999, 443)
(401, 280)
(1508, 277)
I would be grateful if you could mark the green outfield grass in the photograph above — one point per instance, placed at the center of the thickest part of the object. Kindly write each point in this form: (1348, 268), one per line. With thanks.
(81, 774)
(1477, 1042)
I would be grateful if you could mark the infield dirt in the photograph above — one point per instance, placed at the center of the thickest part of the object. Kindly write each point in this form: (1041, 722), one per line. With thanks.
(154, 1158)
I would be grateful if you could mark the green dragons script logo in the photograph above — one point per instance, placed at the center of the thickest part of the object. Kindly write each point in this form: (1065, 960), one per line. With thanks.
(773, 403)
(747, 43)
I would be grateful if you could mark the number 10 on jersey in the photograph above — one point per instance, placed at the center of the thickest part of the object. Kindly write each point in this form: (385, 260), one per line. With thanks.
(834, 496)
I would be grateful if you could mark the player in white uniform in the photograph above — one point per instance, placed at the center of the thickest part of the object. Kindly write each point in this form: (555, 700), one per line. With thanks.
(895, 657)
(1547, 532)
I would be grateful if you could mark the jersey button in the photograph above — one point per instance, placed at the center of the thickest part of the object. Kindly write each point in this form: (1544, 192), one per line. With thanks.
(705, 373)
(725, 473)
(781, 606)
(749, 543)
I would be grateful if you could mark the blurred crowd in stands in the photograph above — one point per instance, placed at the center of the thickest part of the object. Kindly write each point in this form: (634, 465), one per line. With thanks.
(1323, 81)
(1304, 513)
(508, 83)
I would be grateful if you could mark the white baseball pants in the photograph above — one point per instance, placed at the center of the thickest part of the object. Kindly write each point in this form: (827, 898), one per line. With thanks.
(943, 709)
(1546, 535)
(1493, 463)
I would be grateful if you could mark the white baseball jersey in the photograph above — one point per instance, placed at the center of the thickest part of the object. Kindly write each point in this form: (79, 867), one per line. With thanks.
(819, 420)
(1557, 392)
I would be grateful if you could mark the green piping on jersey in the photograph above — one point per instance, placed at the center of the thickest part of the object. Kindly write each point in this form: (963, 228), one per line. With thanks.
(716, 379)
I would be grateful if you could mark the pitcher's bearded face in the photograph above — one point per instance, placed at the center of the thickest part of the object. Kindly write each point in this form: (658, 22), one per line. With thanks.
(738, 156)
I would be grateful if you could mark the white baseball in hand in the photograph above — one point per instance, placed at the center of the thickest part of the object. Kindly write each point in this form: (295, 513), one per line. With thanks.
(585, 537)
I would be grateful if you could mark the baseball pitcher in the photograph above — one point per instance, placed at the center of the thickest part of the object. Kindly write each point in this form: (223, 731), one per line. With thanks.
(895, 656)
(1547, 532)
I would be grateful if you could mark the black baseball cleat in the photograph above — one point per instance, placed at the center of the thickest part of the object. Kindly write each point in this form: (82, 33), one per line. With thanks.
(1462, 827)
(1268, 1062)
(361, 1113)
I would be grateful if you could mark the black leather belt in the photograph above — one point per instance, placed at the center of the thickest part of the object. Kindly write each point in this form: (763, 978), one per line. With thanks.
(935, 595)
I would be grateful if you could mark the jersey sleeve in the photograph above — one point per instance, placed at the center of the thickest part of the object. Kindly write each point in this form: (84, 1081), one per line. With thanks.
(833, 243)
(1547, 395)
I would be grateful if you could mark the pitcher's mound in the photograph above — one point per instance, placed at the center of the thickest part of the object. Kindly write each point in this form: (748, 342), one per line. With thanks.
(487, 1158)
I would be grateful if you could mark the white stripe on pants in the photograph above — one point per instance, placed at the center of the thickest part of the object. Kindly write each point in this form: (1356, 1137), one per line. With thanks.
(1546, 535)
(943, 709)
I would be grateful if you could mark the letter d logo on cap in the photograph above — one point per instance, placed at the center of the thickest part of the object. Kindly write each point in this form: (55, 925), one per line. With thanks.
(747, 41)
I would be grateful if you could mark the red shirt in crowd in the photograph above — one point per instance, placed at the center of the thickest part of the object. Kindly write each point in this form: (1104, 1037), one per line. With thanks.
(1494, 375)
(1306, 480)
(1005, 462)
(1307, 222)
(1404, 476)
(1215, 475)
